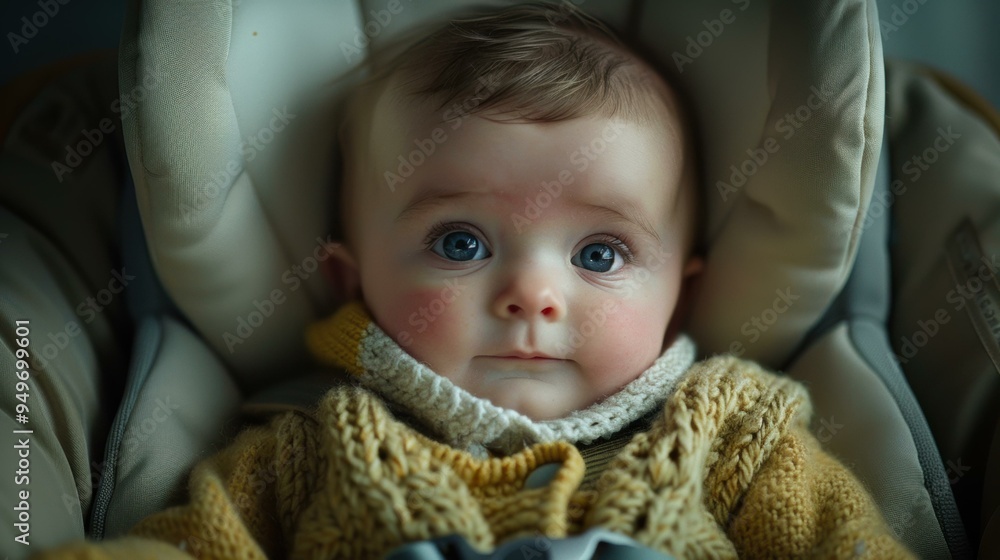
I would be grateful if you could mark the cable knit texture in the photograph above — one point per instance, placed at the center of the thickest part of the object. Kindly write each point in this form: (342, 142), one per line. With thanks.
(469, 422)
(728, 468)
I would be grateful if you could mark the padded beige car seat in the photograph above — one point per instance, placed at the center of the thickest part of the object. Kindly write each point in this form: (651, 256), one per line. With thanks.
(229, 145)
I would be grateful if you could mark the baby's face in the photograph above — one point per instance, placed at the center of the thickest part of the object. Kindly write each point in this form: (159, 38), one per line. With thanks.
(536, 265)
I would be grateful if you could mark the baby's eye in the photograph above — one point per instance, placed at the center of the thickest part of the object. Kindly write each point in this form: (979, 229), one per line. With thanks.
(460, 246)
(596, 257)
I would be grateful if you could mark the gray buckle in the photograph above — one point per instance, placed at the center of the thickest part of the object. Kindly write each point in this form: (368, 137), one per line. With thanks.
(595, 544)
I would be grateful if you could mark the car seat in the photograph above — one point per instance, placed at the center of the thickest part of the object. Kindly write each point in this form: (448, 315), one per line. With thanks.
(820, 244)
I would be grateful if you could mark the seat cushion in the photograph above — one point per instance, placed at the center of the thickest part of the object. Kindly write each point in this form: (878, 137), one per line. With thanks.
(59, 270)
(180, 405)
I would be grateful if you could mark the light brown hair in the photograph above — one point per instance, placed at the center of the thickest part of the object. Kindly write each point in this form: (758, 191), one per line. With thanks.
(539, 61)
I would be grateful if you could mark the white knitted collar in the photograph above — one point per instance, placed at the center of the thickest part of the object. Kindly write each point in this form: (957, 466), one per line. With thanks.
(469, 422)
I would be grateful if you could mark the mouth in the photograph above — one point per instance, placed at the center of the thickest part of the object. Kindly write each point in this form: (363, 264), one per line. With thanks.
(535, 366)
(523, 362)
(534, 356)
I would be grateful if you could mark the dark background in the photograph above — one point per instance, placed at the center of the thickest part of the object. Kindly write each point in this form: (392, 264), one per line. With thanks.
(959, 36)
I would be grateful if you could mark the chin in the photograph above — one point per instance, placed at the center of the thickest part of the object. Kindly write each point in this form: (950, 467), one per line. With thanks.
(534, 406)
(541, 410)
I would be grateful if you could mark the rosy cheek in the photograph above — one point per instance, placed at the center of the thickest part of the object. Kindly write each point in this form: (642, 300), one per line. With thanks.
(628, 343)
(634, 327)
(424, 322)
(638, 326)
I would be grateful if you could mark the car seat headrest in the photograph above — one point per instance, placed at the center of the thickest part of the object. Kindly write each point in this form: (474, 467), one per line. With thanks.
(230, 144)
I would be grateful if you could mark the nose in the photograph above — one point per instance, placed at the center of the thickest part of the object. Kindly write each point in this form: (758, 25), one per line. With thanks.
(530, 294)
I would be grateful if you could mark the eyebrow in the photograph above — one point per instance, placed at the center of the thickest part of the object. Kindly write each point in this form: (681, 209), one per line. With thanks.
(429, 201)
(629, 211)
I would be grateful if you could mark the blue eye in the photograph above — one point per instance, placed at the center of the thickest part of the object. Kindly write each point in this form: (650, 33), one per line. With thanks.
(596, 257)
(460, 246)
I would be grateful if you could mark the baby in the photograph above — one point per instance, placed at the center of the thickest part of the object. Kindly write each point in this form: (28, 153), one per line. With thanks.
(519, 232)
(520, 210)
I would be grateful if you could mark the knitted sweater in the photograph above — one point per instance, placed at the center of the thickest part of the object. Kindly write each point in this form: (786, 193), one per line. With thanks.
(726, 468)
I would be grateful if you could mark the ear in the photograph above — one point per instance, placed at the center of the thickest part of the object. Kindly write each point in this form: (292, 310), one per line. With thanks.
(693, 268)
(341, 272)
(691, 277)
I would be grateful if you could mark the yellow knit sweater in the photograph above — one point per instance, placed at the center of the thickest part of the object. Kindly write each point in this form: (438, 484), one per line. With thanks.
(728, 468)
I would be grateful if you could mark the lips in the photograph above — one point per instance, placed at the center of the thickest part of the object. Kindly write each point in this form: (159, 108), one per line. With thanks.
(524, 356)
(521, 365)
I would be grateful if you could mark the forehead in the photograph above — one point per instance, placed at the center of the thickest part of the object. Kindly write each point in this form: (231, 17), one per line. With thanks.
(600, 160)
